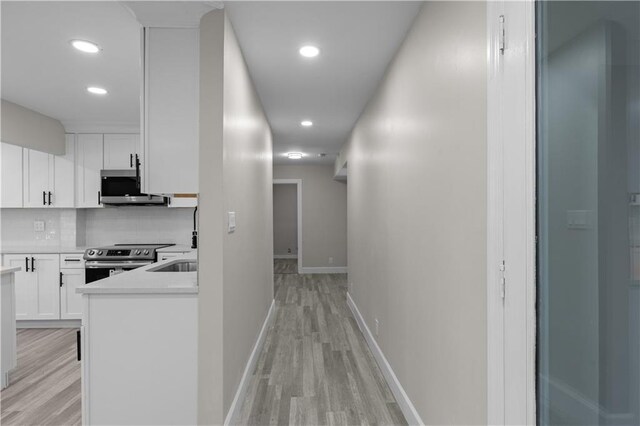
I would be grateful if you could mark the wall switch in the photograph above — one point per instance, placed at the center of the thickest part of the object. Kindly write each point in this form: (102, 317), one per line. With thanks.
(579, 219)
(232, 221)
(377, 327)
(38, 225)
(331, 261)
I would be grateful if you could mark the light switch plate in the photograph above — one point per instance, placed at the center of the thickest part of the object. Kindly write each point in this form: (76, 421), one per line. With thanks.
(232, 221)
(38, 225)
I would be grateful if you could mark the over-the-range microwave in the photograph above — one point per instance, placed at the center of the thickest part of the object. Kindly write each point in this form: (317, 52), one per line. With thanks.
(122, 188)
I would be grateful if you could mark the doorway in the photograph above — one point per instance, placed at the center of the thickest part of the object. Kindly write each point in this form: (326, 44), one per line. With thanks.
(287, 226)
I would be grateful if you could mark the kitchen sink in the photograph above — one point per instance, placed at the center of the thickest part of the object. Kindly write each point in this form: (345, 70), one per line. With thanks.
(177, 266)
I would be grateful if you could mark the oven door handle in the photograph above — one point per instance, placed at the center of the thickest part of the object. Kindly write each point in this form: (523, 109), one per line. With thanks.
(104, 265)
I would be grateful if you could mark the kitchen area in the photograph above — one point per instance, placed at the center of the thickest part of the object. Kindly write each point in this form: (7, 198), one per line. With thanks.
(98, 213)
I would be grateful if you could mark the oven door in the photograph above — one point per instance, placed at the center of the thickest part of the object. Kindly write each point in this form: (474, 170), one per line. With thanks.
(95, 270)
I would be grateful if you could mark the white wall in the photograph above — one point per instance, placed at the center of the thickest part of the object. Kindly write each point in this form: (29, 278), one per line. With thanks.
(235, 175)
(285, 219)
(324, 214)
(417, 213)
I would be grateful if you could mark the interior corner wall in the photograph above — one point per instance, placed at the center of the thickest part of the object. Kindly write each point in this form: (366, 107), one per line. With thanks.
(211, 222)
(417, 201)
(248, 181)
(324, 214)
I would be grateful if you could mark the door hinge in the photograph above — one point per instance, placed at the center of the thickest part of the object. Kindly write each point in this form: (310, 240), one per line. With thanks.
(503, 281)
(501, 35)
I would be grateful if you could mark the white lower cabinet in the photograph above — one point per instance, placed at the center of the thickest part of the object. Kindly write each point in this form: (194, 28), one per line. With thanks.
(70, 301)
(139, 354)
(37, 286)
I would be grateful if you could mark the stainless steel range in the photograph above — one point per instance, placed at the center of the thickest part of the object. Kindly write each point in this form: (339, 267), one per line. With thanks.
(103, 262)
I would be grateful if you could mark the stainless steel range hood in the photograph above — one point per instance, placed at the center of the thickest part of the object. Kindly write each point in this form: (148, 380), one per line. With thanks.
(122, 188)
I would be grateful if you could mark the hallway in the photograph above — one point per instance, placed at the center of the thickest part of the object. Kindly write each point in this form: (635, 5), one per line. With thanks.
(315, 367)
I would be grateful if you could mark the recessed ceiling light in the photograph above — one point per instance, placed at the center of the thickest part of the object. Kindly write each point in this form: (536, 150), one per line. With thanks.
(306, 123)
(85, 46)
(309, 51)
(97, 90)
(294, 155)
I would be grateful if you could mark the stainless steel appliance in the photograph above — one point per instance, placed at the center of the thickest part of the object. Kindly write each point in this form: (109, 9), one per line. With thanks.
(103, 262)
(122, 187)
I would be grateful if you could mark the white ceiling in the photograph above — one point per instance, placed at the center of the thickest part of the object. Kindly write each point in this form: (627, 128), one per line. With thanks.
(357, 40)
(41, 71)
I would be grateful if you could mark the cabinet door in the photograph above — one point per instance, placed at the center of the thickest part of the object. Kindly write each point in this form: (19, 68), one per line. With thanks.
(171, 101)
(46, 268)
(10, 175)
(63, 175)
(120, 151)
(37, 175)
(88, 165)
(70, 301)
(26, 288)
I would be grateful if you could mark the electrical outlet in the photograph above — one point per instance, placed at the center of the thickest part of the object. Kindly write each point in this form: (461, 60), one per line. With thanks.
(377, 327)
(331, 261)
(38, 225)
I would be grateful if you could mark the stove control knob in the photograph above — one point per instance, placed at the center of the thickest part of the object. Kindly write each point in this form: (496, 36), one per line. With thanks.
(138, 252)
(146, 252)
(91, 252)
(100, 253)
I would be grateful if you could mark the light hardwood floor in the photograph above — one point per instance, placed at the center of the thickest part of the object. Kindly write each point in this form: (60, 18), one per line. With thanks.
(315, 367)
(45, 386)
(285, 266)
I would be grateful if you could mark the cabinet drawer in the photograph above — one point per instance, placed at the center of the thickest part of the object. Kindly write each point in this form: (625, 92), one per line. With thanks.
(71, 261)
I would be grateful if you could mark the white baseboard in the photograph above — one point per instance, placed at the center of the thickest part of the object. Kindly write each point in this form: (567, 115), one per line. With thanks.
(405, 404)
(49, 323)
(285, 256)
(324, 270)
(236, 405)
(570, 403)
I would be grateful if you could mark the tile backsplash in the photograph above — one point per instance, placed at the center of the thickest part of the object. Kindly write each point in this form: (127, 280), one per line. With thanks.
(94, 227)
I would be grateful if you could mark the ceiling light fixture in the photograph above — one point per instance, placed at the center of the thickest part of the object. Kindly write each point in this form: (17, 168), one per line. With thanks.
(306, 123)
(309, 51)
(294, 155)
(97, 90)
(85, 46)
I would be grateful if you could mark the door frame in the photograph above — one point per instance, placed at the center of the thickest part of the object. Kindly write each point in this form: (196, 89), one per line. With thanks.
(298, 184)
(511, 213)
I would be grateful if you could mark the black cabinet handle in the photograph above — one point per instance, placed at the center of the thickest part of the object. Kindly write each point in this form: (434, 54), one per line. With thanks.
(60, 279)
(49, 197)
(78, 347)
(99, 197)
(138, 173)
(33, 264)
(26, 264)
(44, 198)
(131, 160)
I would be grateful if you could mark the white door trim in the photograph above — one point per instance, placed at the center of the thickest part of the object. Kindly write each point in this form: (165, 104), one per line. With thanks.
(511, 178)
(298, 183)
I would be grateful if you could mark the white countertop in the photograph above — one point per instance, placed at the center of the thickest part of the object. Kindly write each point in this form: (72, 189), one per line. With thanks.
(40, 249)
(178, 248)
(141, 281)
(9, 270)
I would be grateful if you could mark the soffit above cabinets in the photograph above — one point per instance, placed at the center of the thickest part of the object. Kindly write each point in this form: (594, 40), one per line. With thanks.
(170, 14)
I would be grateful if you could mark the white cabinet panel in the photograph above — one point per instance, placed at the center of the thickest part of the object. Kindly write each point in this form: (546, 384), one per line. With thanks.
(25, 284)
(70, 301)
(171, 101)
(89, 162)
(120, 151)
(11, 175)
(37, 174)
(64, 175)
(46, 268)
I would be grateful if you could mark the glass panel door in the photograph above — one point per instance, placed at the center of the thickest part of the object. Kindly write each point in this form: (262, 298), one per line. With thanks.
(588, 154)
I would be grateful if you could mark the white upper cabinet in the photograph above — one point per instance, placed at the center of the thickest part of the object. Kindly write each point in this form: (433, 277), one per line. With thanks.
(37, 172)
(64, 175)
(120, 151)
(10, 175)
(89, 162)
(171, 108)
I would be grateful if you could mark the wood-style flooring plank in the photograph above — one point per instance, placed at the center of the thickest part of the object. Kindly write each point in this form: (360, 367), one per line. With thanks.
(315, 367)
(45, 386)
